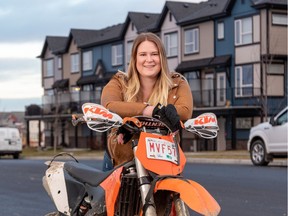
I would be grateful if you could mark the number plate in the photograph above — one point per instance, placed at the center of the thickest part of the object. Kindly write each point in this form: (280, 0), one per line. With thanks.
(160, 149)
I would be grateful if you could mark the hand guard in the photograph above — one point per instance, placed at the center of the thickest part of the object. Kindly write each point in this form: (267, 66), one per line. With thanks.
(168, 115)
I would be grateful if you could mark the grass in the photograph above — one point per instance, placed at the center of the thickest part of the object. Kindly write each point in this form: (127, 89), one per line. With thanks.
(50, 152)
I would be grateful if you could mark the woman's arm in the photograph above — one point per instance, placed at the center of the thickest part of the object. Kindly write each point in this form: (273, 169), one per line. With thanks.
(113, 99)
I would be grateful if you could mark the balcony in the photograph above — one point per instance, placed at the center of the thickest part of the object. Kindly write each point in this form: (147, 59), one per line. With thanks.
(67, 103)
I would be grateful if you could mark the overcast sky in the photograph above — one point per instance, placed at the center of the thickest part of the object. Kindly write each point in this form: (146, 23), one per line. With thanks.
(25, 24)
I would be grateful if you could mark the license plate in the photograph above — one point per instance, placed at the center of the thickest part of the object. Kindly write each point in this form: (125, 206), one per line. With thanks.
(160, 149)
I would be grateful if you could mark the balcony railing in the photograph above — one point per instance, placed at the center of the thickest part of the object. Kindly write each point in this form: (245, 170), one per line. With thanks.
(72, 102)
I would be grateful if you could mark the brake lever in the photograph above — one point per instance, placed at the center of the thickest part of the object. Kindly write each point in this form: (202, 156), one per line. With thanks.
(76, 120)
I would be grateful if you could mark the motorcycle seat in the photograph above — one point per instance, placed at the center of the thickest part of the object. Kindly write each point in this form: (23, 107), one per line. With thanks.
(86, 174)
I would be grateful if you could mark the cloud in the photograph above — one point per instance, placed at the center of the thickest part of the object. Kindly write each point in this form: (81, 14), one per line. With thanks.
(25, 50)
(20, 87)
(25, 24)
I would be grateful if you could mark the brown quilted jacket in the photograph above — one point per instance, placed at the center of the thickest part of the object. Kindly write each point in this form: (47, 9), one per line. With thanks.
(113, 99)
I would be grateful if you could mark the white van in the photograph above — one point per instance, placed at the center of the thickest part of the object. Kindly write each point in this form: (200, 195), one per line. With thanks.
(10, 142)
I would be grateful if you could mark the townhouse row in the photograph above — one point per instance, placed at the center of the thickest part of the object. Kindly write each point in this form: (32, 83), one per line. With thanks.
(232, 52)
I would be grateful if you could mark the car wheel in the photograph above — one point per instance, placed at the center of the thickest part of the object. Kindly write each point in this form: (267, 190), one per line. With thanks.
(16, 155)
(258, 153)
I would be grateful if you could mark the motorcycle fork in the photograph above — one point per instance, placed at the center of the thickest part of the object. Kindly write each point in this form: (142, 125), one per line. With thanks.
(144, 182)
(180, 207)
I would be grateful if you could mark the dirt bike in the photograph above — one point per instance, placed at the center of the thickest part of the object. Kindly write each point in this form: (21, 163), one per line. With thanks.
(150, 184)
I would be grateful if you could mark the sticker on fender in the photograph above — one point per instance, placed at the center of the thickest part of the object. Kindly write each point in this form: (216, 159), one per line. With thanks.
(160, 149)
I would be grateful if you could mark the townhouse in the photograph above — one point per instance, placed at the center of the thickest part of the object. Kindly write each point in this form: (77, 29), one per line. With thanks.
(233, 53)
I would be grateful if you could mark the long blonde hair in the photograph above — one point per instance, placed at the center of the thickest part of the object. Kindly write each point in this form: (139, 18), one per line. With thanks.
(163, 83)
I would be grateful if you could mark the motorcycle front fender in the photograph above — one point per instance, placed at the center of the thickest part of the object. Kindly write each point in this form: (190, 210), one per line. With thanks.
(192, 193)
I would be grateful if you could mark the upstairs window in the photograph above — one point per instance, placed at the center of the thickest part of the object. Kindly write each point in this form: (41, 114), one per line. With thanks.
(191, 41)
(87, 60)
(117, 55)
(244, 81)
(243, 31)
(48, 67)
(75, 63)
(220, 30)
(171, 44)
(279, 19)
(128, 51)
(59, 59)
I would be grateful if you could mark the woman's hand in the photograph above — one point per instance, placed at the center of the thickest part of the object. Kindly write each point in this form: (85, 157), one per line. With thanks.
(120, 139)
(148, 111)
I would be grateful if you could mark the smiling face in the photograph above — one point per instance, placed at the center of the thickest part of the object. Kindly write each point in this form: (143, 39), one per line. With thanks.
(148, 60)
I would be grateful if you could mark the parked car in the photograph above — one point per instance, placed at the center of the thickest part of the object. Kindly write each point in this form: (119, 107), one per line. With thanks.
(269, 140)
(10, 142)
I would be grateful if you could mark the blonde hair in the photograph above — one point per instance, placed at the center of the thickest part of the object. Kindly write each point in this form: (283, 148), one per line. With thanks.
(163, 83)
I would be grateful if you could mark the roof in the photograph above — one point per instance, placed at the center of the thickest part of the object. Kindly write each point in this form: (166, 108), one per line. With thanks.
(56, 44)
(95, 79)
(279, 4)
(143, 22)
(61, 84)
(106, 35)
(178, 9)
(88, 37)
(218, 61)
(206, 10)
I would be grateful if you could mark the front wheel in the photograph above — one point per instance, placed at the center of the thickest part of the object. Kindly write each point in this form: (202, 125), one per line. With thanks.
(258, 153)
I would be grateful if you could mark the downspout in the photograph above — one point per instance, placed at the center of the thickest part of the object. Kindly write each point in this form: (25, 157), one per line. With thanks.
(266, 65)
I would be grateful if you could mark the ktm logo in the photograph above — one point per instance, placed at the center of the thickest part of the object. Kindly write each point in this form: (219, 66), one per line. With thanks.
(98, 111)
(201, 120)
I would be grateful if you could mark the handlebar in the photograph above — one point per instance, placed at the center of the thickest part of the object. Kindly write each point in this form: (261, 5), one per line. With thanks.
(99, 119)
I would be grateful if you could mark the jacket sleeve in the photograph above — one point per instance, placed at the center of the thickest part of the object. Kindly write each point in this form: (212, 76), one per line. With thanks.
(181, 97)
(112, 98)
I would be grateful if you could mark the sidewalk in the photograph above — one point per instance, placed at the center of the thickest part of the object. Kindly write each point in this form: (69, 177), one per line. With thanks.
(227, 157)
(219, 157)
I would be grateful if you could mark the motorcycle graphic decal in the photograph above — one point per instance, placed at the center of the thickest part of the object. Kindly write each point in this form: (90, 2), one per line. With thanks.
(111, 186)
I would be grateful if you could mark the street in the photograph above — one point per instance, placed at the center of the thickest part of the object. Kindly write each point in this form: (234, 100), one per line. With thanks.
(239, 189)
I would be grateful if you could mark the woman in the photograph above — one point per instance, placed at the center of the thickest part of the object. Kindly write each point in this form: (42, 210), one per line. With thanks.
(147, 83)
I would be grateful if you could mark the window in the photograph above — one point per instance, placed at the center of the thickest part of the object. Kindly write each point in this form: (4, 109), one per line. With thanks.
(279, 19)
(75, 63)
(243, 123)
(129, 51)
(275, 69)
(244, 80)
(221, 89)
(59, 62)
(170, 17)
(117, 55)
(193, 80)
(282, 119)
(220, 30)
(87, 60)
(171, 44)
(48, 65)
(243, 31)
(191, 41)
(49, 92)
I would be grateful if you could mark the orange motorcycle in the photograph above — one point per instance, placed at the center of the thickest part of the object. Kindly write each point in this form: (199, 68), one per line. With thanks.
(150, 184)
